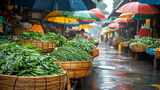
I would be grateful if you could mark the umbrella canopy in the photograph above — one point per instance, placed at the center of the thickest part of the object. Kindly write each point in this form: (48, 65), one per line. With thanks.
(116, 25)
(126, 15)
(86, 26)
(143, 17)
(152, 2)
(64, 20)
(98, 13)
(123, 20)
(138, 8)
(66, 5)
(81, 15)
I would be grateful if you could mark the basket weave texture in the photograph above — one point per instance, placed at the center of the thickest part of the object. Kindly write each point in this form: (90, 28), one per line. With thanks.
(9, 82)
(76, 69)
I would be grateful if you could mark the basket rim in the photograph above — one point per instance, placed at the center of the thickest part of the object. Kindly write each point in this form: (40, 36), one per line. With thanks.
(72, 61)
(45, 76)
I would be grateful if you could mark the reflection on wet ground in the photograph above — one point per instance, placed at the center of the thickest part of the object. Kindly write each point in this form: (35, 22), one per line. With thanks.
(112, 71)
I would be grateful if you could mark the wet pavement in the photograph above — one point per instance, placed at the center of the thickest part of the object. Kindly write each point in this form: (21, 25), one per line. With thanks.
(114, 71)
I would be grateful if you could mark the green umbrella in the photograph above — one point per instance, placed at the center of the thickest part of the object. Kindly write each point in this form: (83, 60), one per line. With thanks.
(143, 17)
(82, 15)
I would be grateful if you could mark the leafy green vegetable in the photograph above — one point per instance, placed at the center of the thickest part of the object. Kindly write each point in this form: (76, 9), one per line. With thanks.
(58, 39)
(149, 41)
(70, 54)
(22, 61)
(80, 43)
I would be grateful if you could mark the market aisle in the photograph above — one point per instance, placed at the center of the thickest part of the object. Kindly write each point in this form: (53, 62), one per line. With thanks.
(113, 71)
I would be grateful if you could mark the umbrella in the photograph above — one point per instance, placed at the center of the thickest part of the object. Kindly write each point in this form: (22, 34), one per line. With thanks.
(123, 20)
(143, 17)
(65, 5)
(152, 2)
(126, 15)
(98, 13)
(86, 26)
(116, 25)
(84, 16)
(62, 19)
(138, 8)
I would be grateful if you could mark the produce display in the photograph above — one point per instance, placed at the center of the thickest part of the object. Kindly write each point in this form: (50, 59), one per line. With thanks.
(23, 61)
(81, 43)
(58, 39)
(149, 41)
(66, 53)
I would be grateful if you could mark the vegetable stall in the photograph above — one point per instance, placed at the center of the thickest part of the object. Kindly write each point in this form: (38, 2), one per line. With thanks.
(44, 60)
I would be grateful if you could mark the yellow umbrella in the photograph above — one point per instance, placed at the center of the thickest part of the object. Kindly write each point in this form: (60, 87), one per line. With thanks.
(61, 19)
(126, 15)
(86, 26)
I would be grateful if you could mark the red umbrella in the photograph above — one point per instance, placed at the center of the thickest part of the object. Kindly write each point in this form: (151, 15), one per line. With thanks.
(138, 8)
(98, 13)
(123, 20)
(116, 25)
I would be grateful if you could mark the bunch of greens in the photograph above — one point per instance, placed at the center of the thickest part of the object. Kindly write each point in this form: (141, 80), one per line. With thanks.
(58, 39)
(31, 35)
(149, 41)
(70, 54)
(80, 43)
(22, 61)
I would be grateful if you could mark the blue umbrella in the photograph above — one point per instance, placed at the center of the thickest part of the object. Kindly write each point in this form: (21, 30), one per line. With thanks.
(43, 5)
(64, 5)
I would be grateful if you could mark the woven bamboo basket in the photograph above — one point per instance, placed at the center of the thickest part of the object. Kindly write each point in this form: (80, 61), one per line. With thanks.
(76, 69)
(95, 52)
(45, 47)
(9, 82)
(137, 48)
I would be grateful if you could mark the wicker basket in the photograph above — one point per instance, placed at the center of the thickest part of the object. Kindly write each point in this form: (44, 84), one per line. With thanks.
(76, 69)
(137, 48)
(45, 47)
(95, 52)
(8, 82)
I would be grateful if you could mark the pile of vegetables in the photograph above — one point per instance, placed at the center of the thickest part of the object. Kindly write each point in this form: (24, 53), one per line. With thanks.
(66, 53)
(81, 43)
(58, 39)
(148, 41)
(23, 61)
